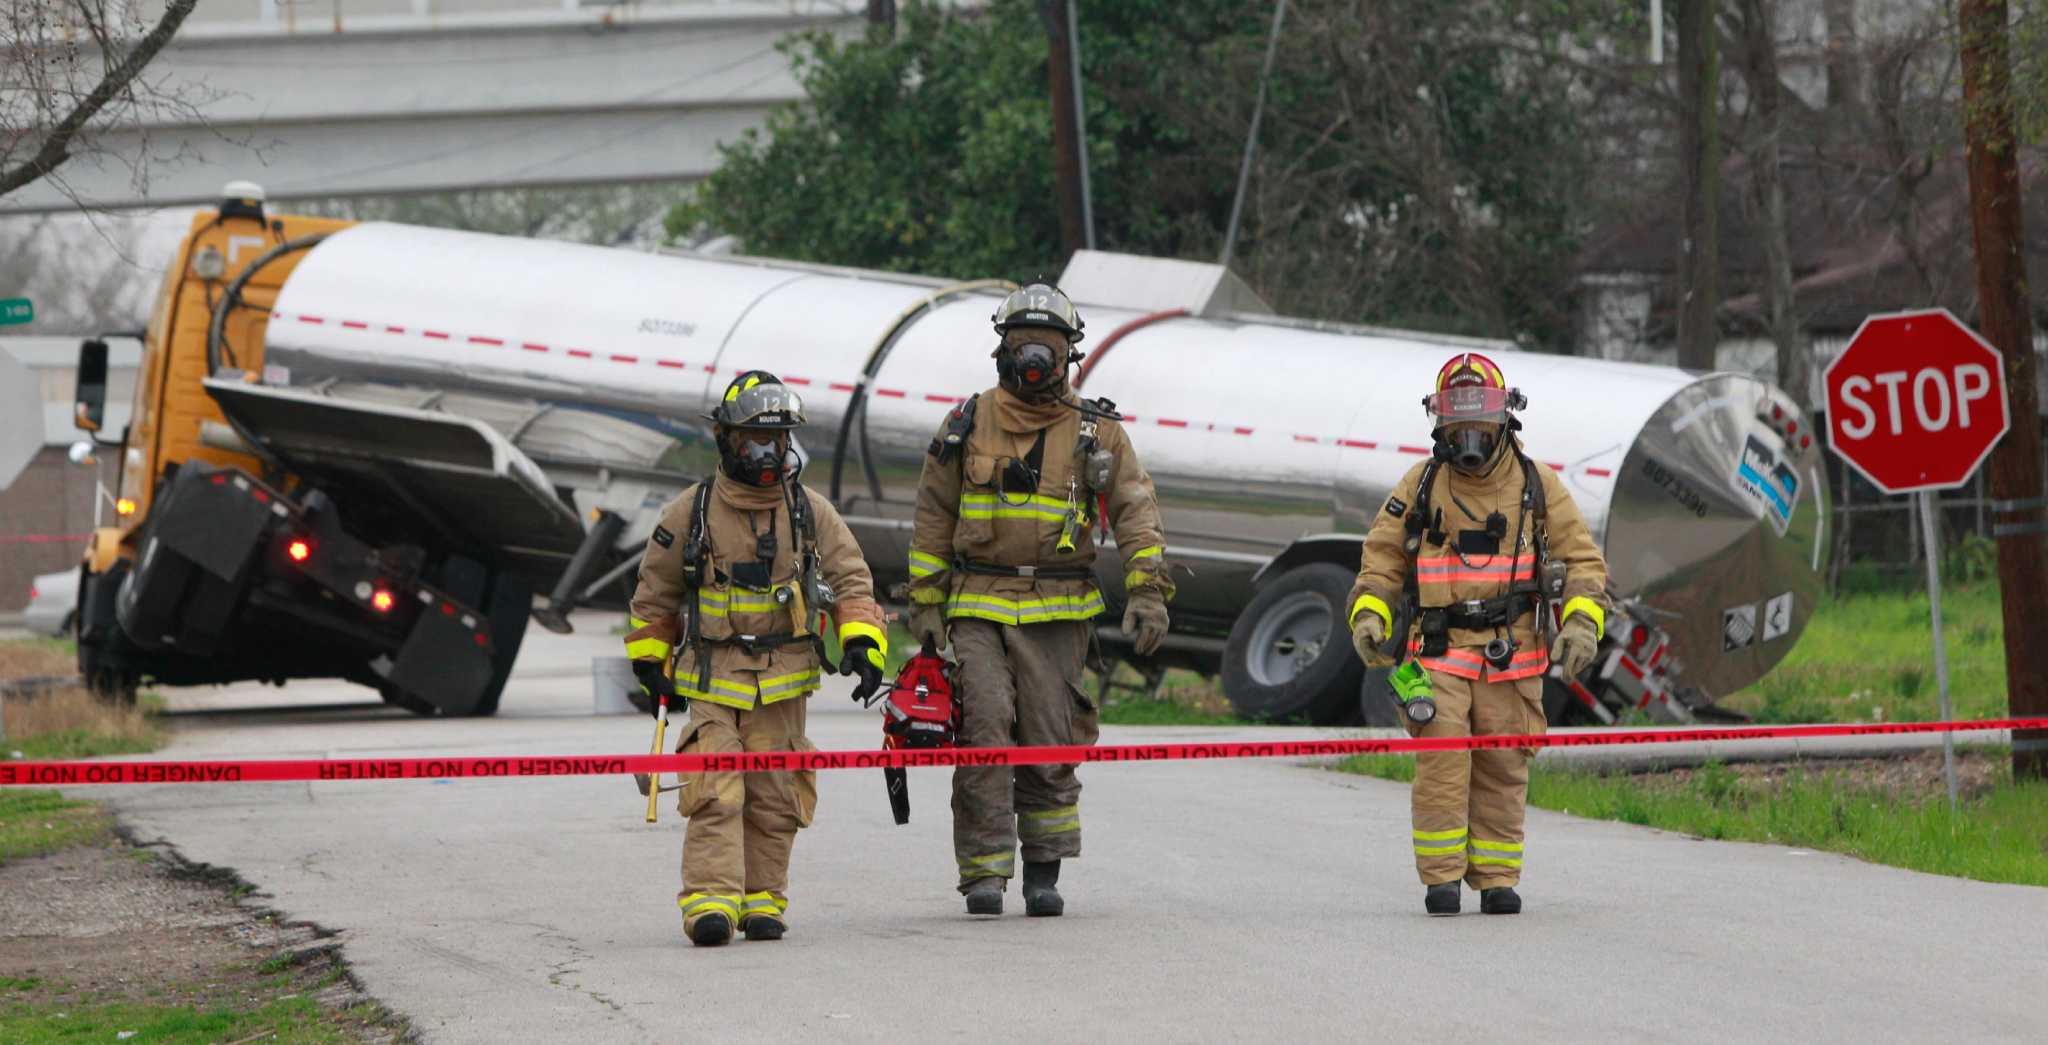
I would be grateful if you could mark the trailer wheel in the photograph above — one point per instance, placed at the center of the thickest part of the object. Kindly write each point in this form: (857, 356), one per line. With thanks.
(511, 607)
(507, 605)
(1289, 655)
(102, 646)
(1376, 703)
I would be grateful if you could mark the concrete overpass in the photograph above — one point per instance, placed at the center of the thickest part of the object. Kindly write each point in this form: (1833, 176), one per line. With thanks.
(382, 97)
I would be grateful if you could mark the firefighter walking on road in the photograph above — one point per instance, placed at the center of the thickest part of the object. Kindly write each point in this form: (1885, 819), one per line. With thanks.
(1015, 483)
(1472, 555)
(730, 596)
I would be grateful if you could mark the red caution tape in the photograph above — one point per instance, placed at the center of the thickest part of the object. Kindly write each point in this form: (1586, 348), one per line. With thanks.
(48, 774)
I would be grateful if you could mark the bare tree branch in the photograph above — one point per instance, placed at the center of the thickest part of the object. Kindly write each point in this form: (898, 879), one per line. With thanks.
(117, 81)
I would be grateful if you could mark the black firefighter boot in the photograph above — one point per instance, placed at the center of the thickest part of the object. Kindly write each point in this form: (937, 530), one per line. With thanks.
(985, 896)
(1442, 898)
(1041, 898)
(1499, 901)
(711, 930)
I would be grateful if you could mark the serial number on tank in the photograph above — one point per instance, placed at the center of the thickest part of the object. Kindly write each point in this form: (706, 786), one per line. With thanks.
(1676, 487)
(668, 327)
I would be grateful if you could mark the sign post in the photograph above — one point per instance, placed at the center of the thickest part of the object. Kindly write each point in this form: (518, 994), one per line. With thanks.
(1915, 403)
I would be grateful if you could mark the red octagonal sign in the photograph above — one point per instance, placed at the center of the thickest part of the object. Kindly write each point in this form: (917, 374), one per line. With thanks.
(1916, 401)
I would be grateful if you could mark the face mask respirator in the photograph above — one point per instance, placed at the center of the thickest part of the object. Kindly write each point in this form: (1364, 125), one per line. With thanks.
(755, 462)
(1467, 449)
(1030, 367)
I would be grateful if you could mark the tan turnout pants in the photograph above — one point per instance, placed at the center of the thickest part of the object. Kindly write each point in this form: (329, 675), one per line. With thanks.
(1018, 685)
(742, 825)
(1468, 805)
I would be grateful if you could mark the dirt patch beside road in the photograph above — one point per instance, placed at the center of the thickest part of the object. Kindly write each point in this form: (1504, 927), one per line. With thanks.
(120, 937)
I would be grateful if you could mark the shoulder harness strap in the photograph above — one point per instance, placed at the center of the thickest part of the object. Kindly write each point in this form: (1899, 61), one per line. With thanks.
(959, 424)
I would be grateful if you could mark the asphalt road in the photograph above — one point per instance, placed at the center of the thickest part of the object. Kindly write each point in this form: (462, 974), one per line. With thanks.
(1219, 900)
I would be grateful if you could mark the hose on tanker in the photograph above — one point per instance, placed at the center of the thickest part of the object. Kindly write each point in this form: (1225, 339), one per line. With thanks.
(1101, 350)
(216, 328)
(856, 406)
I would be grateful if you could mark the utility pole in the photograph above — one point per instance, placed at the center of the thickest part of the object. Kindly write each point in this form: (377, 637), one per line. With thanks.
(2003, 319)
(1699, 163)
(1066, 131)
(882, 13)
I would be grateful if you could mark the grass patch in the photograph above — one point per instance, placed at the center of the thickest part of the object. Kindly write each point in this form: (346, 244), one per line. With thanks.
(297, 1019)
(1869, 657)
(36, 822)
(1999, 833)
(1184, 699)
(72, 723)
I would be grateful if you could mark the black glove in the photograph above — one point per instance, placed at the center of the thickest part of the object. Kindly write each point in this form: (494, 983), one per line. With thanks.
(656, 685)
(862, 657)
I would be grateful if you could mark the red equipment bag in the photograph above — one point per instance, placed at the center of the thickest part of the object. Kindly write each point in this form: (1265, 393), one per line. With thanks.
(918, 712)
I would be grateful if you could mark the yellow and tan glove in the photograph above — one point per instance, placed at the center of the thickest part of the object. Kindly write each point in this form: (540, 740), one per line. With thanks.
(1367, 636)
(1145, 620)
(1577, 643)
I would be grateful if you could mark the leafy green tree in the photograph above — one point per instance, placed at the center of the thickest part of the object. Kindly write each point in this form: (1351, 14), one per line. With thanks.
(1420, 163)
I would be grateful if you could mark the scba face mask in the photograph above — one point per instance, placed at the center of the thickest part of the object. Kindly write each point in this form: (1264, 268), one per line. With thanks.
(1031, 367)
(756, 460)
(1468, 448)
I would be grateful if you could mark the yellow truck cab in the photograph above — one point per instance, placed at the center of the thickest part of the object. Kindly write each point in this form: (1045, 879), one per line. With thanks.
(226, 561)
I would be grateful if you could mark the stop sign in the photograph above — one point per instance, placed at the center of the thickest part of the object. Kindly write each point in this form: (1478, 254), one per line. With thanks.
(1916, 401)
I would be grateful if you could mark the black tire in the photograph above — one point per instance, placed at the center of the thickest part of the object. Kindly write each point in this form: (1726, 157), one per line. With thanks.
(1289, 654)
(508, 605)
(103, 649)
(1376, 703)
(509, 611)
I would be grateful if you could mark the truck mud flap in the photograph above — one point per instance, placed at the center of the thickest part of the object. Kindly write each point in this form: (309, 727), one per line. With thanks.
(446, 661)
(194, 564)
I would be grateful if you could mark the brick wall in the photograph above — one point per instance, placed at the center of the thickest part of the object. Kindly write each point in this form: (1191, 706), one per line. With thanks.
(52, 496)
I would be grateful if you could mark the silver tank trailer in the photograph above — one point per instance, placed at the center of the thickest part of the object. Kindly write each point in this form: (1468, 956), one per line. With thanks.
(1272, 442)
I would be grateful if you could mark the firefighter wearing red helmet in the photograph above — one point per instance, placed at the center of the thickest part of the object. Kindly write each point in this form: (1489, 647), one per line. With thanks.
(1475, 554)
(1016, 483)
(726, 616)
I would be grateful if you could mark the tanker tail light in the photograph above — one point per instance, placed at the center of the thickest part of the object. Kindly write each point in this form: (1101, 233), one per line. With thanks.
(299, 550)
(382, 600)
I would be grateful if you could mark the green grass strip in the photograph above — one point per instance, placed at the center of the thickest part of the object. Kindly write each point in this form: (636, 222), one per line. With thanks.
(36, 822)
(1999, 836)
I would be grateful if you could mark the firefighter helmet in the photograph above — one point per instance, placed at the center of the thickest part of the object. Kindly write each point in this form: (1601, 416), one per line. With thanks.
(1039, 305)
(1471, 387)
(758, 399)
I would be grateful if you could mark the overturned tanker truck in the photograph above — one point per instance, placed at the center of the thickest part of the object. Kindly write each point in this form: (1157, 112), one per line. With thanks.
(361, 450)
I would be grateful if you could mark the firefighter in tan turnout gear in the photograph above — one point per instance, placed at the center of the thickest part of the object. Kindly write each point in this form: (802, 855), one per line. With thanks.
(1015, 484)
(730, 596)
(1470, 556)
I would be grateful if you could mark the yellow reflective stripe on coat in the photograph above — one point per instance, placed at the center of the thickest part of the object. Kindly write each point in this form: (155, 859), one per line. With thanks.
(781, 686)
(1591, 609)
(648, 648)
(1147, 553)
(1375, 604)
(714, 603)
(925, 564)
(928, 595)
(878, 656)
(995, 608)
(993, 506)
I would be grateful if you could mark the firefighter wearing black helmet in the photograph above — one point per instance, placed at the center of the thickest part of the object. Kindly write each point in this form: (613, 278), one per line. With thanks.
(1016, 485)
(728, 616)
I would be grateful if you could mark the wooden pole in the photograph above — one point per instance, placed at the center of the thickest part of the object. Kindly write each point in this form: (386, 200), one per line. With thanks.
(2002, 317)
(1066, 131)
